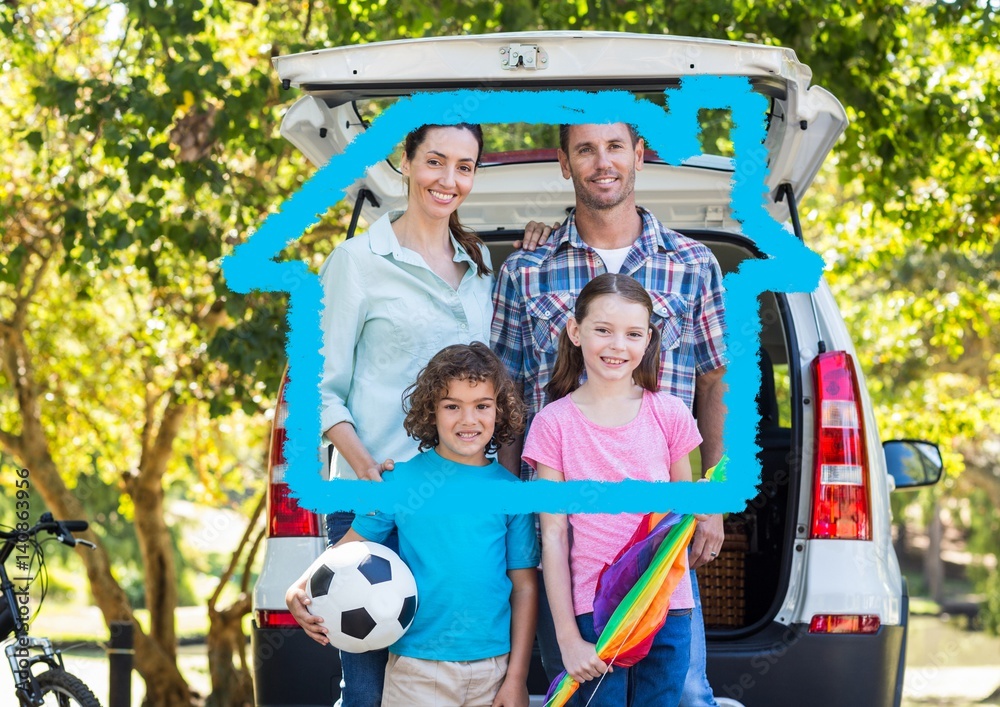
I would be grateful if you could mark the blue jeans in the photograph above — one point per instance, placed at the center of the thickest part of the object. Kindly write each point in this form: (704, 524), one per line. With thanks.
(363, 674)
(656, 680)
(545, 632)
(697, 691)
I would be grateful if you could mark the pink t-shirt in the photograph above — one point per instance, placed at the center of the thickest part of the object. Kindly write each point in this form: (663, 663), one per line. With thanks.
(561, 437)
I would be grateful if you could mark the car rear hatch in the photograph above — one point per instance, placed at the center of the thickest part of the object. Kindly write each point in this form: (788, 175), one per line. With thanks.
(803, 121)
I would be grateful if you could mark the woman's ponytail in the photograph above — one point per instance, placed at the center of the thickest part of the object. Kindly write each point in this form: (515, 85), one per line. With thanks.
(472, 243)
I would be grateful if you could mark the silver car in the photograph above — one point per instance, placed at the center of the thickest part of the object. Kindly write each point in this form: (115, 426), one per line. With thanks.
(806, 604)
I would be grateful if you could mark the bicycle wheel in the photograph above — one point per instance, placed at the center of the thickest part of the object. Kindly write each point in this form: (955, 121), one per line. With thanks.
(62, 689)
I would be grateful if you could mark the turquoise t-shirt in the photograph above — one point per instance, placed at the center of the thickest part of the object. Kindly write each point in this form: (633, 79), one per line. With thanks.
(460, 562)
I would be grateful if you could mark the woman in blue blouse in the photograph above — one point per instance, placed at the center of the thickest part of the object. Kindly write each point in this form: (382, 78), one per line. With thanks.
(394, 296)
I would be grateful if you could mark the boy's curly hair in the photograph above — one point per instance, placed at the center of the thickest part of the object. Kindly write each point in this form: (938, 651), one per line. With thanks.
(470, 362)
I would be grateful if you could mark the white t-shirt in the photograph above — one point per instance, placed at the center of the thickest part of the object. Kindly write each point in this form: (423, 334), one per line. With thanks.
(613, 258)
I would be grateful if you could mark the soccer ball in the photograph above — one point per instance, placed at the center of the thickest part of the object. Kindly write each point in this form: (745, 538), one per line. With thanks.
(366, 595)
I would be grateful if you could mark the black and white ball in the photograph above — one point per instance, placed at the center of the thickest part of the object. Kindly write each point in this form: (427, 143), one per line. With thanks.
(365, 593)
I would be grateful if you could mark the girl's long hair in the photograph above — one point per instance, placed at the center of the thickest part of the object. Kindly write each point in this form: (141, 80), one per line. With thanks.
(466, 238)
(569, 359)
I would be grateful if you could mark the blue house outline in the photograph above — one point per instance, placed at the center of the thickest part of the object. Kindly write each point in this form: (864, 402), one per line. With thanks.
(674, 136)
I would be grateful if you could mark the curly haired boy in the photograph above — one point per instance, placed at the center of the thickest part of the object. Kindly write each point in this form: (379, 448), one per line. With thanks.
(470, 640)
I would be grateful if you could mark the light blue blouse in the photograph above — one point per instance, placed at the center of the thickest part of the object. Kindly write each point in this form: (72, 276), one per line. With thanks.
(385, 314)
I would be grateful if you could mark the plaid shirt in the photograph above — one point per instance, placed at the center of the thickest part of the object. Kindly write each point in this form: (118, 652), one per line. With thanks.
(536, 293)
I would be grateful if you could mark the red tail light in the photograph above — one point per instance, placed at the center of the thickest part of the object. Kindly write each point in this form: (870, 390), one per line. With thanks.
(838, 623)
(841, 506)
(275, 619)
(284, 517)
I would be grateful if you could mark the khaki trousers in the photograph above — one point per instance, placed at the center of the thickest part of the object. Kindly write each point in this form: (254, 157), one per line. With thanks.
(412, 682)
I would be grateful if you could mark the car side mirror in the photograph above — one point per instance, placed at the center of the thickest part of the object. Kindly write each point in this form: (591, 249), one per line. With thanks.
(912, 462)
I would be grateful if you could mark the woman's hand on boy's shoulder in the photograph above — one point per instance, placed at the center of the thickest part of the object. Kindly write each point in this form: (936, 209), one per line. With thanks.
(375, 471)
(512, 693)
(297, 602)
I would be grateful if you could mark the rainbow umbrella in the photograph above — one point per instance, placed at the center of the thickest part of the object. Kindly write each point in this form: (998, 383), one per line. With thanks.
(633, 592)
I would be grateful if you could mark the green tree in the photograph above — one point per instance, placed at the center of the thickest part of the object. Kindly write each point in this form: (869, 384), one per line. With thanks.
(117, 331)
(910, 236)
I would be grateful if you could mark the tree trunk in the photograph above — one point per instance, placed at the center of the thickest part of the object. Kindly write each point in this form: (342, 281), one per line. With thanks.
(232, 685)
(164, 683)
(933, 564)
(158, 669)
(901, 543)
(146, 490)
(160, 580)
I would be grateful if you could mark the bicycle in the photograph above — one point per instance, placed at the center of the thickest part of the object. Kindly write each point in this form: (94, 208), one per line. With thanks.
(24, 652)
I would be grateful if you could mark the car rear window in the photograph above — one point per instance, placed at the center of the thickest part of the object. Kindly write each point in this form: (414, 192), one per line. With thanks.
(515, 143)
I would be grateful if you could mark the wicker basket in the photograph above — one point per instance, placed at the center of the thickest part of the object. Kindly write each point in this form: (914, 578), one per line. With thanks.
(721, 582)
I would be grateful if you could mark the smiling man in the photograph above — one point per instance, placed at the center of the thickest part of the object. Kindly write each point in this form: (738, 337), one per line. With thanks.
(536, 292)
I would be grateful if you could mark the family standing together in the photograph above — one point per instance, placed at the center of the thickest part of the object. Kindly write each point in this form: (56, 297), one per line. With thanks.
(602, 339)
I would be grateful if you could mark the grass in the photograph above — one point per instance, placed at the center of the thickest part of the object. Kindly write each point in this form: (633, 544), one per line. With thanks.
(85, 624)
(922, 606)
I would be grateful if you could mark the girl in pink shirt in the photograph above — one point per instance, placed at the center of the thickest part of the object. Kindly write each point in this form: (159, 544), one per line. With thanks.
(614, 426)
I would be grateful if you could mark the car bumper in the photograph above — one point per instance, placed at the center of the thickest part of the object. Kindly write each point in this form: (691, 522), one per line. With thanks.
(292, 670)
(782, 664)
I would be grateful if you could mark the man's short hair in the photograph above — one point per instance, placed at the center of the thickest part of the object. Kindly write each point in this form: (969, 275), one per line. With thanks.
(564, 135)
